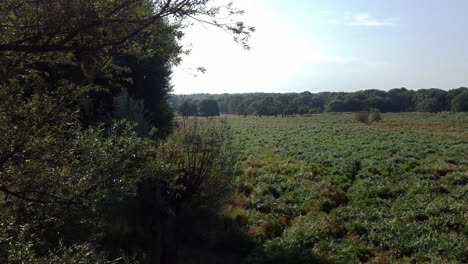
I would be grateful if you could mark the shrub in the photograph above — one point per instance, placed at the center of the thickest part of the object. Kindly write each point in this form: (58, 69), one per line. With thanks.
(362, 117)
(368, 117)
(204, 157)
(375, 115)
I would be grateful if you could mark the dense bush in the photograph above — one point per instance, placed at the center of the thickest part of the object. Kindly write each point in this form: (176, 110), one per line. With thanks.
(203, 154)
(362, 117)
(368, 117)
(59, 181)
(70, 193)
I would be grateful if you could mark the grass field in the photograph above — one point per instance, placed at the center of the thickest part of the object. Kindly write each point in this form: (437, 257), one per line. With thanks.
(327, 189)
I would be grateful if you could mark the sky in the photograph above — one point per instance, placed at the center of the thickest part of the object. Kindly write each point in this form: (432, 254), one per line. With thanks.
(331, 45)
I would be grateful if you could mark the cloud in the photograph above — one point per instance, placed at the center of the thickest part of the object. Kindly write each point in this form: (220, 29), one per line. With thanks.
(365, 19)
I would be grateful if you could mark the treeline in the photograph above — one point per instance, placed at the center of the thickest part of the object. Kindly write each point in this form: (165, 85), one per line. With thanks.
(271, 104)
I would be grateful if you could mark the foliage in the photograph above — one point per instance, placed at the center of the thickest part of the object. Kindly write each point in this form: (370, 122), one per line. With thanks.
(368, 117)
(61, 180)
(188, 108)
(362, 117)
(303, 110)
(336, 106)
(77, 25)
(208, 107)
(129, 109)
(428, 105)
(374, 115)
(77, 183)
(202, 153)
(460, 102)
(124, 43)
(270, 104)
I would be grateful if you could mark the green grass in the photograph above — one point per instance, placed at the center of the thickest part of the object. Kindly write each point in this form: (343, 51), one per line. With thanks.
(327, 189)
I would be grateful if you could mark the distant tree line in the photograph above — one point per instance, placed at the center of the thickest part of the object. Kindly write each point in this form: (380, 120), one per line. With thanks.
(270, 104)
(205, 107)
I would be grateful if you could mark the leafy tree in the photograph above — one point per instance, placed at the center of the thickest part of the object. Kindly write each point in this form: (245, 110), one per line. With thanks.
(431, 100)
(375, 102)
(208, 107)
(60, 182)
(353, 105)
(243, 108)
(188, 108)
(283, 102)
(460, 102)
(89, 26)
(129, 109)
(451, 94)
(150, 82)
(270, 107)
(400, 100)
(257, 108)
(303, 110)
(429, 105)
(234, 104)
(336, 106)
(73, 190)
(317, 103)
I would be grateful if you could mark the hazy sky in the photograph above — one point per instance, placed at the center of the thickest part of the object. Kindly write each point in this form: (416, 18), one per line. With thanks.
(332, 45)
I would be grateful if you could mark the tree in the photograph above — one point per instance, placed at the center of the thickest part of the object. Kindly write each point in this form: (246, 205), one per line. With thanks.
(336, 106)
(59, 181)
(243, 108)
(353, 105)
(429, 105)
(400, 100)
(234, 104)
(128, 109)
(431, 100)
(89, 26)
(460, 102)
(188, 108)
(375, 102)
(283, 102)
(303, 110)
(208, 107)
(257, 108)
(150, 83)
(73, 189)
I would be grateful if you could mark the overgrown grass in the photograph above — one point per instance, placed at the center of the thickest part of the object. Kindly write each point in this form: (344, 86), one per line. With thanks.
(328, 189)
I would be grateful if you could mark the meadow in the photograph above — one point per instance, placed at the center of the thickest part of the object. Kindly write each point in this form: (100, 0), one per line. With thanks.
(328, 189)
